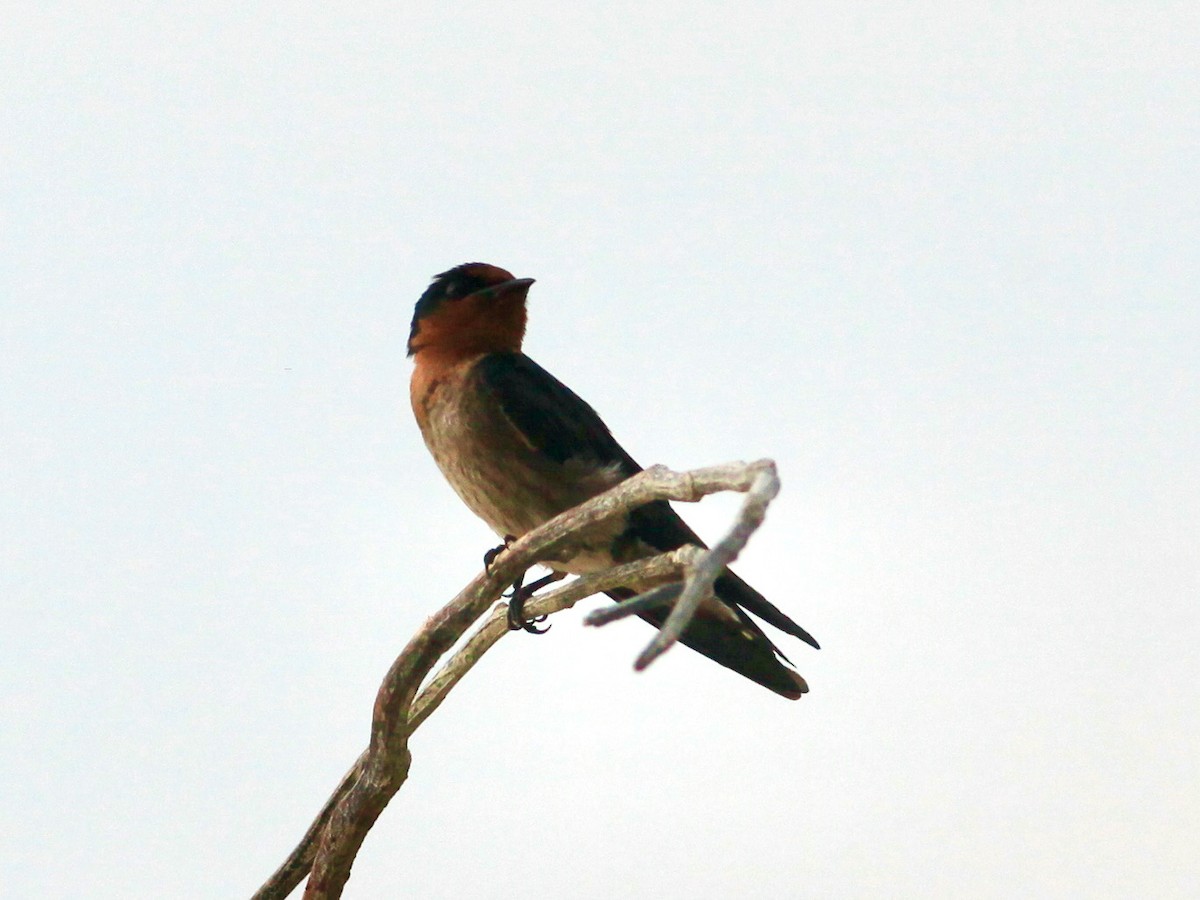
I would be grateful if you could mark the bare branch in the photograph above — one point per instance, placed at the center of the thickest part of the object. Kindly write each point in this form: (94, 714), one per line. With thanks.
(495, 626)
(705, 572)
(293, 869)
(663, 595)
(329, 847)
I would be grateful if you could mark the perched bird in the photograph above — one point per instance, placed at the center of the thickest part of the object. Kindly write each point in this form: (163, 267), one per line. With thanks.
(519, 447)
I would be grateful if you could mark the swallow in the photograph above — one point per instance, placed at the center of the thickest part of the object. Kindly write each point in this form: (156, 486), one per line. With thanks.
(519, 447)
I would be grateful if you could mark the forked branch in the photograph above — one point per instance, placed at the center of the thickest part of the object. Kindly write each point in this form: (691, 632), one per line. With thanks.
(408, 695)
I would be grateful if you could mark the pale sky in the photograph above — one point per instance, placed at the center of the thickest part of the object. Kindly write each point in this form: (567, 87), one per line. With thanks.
(938, 260)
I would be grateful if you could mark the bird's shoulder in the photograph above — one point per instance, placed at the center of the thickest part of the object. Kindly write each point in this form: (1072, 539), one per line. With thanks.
(549, 415)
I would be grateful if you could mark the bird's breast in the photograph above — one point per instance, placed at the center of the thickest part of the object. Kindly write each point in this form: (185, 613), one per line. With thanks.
(504, 479)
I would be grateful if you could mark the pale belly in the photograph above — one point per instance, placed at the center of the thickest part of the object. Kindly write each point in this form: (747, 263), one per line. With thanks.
(510, 484)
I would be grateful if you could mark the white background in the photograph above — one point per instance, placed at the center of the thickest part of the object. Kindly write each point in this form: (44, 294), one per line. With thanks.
(939, 260)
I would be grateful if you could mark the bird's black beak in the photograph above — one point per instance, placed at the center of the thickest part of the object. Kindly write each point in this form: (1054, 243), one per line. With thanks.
(507, 287)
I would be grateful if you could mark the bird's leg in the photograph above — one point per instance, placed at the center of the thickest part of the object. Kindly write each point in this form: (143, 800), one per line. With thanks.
(522, 592)
(490, 556)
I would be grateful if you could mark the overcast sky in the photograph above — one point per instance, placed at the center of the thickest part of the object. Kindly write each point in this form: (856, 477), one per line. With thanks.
(939, 260)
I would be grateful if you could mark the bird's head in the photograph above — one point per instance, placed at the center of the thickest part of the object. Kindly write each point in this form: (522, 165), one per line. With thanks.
(472, 308)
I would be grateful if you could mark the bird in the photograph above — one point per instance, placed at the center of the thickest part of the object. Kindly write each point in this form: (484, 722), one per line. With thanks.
(519, 447)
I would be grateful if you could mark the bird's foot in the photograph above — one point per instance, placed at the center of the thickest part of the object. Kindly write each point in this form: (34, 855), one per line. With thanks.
(490, 556)
(516, 603)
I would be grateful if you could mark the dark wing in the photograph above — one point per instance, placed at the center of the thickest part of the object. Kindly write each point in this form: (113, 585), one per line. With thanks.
(557, 422)
(551, 416)
(746, 649)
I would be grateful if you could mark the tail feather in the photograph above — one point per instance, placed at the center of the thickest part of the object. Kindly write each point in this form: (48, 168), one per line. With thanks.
(733, 590)
(746, 651)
